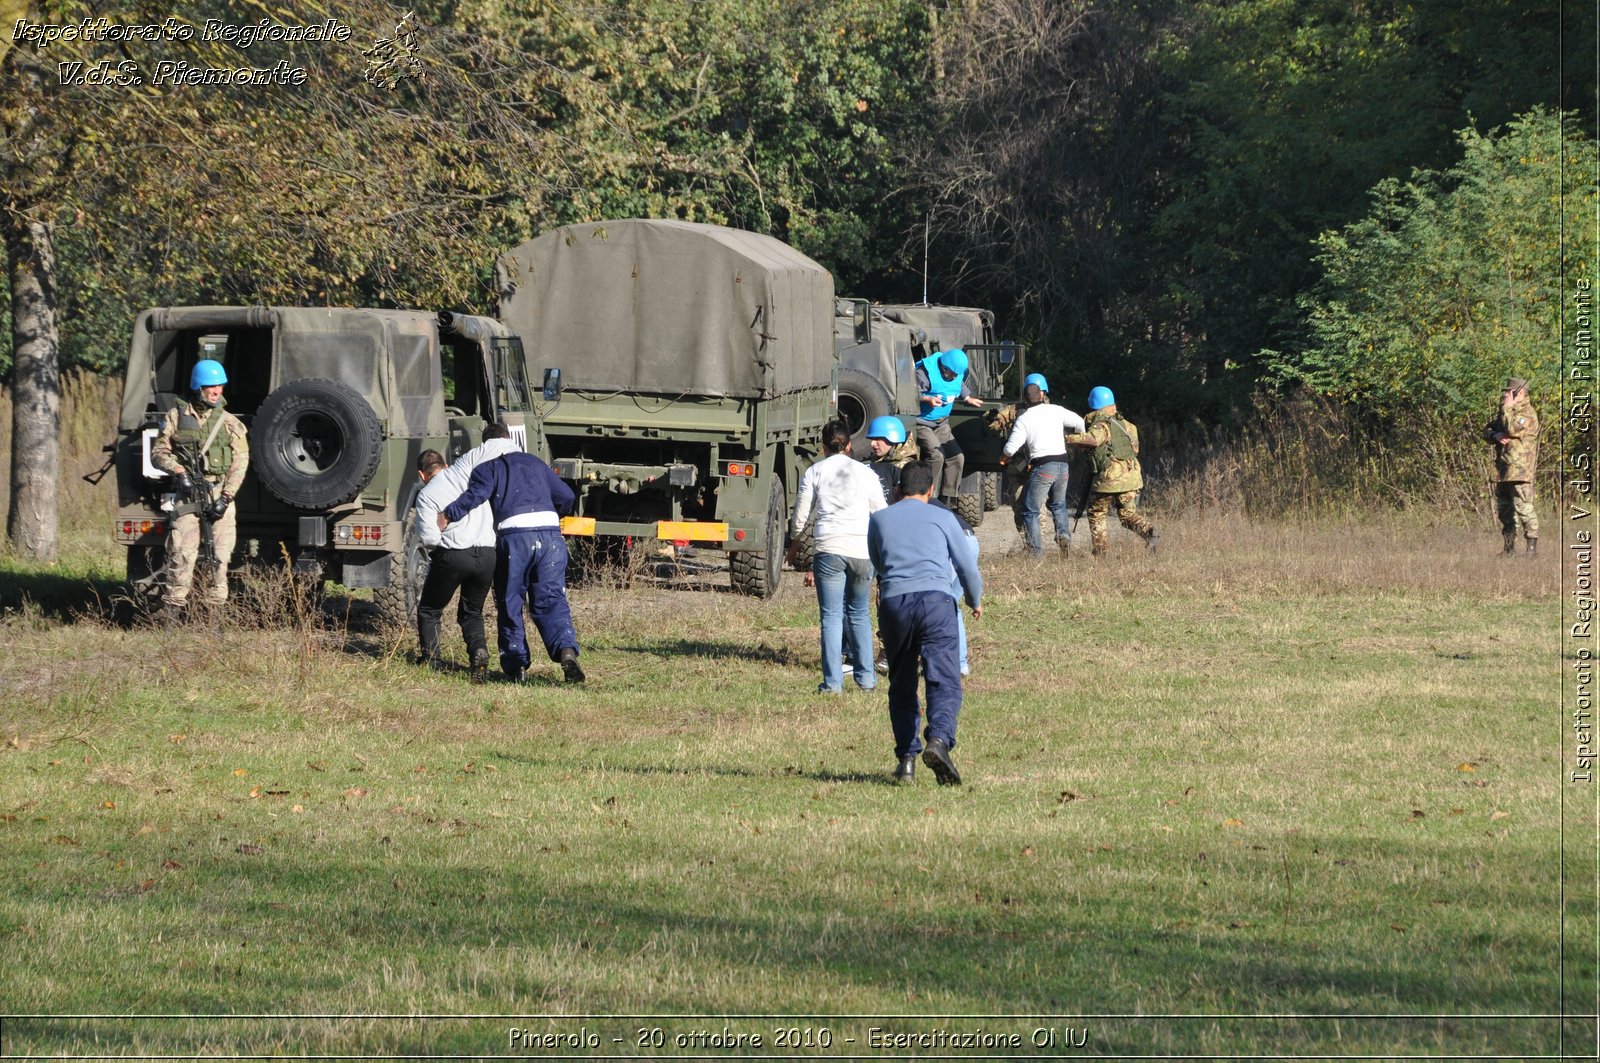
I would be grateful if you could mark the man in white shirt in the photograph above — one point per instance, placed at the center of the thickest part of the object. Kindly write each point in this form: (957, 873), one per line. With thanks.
(844, 493)
(1043, 428)
(463, 556)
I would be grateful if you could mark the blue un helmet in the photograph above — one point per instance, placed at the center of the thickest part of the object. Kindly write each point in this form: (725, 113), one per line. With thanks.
(1100, 398)
(953, 361)
(889, 428)
(1037, 378)
(207, 373)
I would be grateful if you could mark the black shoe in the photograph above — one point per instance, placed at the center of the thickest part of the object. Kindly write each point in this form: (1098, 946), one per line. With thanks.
(170, 616)
(907, 770)
(569, 666)
(1533, 547)
(480, 666)
(937, 757)
(517, 675)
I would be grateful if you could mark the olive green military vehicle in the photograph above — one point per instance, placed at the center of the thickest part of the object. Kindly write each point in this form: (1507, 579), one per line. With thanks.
(879, 347)
(339, 403)
(686, 373)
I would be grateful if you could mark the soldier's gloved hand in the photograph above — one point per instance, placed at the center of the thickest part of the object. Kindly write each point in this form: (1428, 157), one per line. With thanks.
(181, 484)
(218, 507)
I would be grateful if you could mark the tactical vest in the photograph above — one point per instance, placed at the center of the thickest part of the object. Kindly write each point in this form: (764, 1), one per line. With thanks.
(1118, 447)
(191, 434)
(938, 385)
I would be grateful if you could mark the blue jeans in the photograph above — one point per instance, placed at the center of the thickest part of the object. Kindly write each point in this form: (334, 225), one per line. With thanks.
(531, 567)
(956, 592)
(844, 597)
(920, 628)
(1047, 479)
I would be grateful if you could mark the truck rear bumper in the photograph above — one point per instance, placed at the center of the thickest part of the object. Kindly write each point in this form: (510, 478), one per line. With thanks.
(690, 531)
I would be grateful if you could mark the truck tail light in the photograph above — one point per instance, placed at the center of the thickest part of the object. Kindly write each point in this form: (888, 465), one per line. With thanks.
(736, 468)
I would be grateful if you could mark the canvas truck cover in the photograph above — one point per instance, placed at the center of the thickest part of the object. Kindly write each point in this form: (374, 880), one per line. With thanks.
(670, 307)
(389, 357)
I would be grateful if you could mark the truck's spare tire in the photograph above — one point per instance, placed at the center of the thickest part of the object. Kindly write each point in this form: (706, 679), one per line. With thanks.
(861, 400)
(315, 443)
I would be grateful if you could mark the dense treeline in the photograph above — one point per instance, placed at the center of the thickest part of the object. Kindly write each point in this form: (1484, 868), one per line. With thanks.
(1188, 199)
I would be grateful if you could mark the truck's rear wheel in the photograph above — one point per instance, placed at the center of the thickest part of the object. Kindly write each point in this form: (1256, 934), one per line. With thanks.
(757, 572)
(408, 570)
(145, 564)
(970, 508)
(991, 491)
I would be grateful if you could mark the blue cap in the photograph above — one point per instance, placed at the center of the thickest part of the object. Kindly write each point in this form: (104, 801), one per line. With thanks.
(889, 428)
(207, 373)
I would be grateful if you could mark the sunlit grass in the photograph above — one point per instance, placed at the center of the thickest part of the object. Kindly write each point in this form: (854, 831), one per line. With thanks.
(1275, 768)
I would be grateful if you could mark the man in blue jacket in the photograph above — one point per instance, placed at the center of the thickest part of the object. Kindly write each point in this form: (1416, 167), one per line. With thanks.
(526, 499)
(913, 546)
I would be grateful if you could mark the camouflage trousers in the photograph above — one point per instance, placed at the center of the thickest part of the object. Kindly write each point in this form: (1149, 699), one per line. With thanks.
(1514, 501)
(183, 549)
(1127, 503)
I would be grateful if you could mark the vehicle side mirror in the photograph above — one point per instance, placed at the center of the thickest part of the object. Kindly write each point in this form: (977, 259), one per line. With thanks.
(1008, 352)
(552, 384)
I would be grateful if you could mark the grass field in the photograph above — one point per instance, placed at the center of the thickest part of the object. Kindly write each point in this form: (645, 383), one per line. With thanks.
(1279, 790)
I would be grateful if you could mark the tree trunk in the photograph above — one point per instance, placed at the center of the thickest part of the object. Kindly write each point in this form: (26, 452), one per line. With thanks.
(35, 387)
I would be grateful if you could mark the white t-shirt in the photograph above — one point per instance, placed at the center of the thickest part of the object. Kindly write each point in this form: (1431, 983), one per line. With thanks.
(1044, 429)
(845, 493)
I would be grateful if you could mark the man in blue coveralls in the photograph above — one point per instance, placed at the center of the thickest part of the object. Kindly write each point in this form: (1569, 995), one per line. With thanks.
(913, 545)
(527, 500)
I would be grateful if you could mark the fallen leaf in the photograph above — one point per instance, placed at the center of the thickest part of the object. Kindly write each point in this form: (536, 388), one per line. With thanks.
(62, 839)
(239, 773)
(1233, 822)
(1027, 850)
(255, 791)
(356, 791)
(1457, 811)
(147, 884)
(17, 742)
(1417, 813)
(175, 739)
(1397, 927)
(146, 828)
(171, 865)
(1466, 766)
(246, 849)
(1499, 815)
(297, 808)
(108, 804)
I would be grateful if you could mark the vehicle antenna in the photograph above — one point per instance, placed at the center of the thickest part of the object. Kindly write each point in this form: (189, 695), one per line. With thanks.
(927, 222)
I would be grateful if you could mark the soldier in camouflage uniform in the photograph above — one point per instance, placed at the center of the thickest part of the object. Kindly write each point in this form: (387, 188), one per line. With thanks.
(200, 440)
(1514, 432)
(1117, 474)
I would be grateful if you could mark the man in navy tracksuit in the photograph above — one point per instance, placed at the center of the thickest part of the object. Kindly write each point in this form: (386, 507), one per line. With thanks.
(527, 499)
(913, 546)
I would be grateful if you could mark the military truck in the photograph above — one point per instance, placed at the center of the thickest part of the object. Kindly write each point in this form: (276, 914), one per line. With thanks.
(339, 403)
(879, 347)
(686, 373)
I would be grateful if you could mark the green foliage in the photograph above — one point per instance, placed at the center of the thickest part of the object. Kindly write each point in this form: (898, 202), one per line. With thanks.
(771, 116)
(1452, 282)
(1282, 113)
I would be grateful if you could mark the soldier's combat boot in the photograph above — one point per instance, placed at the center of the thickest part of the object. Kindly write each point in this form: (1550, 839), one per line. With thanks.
(1150, 540)
(1511, 543)
(1533, 547)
